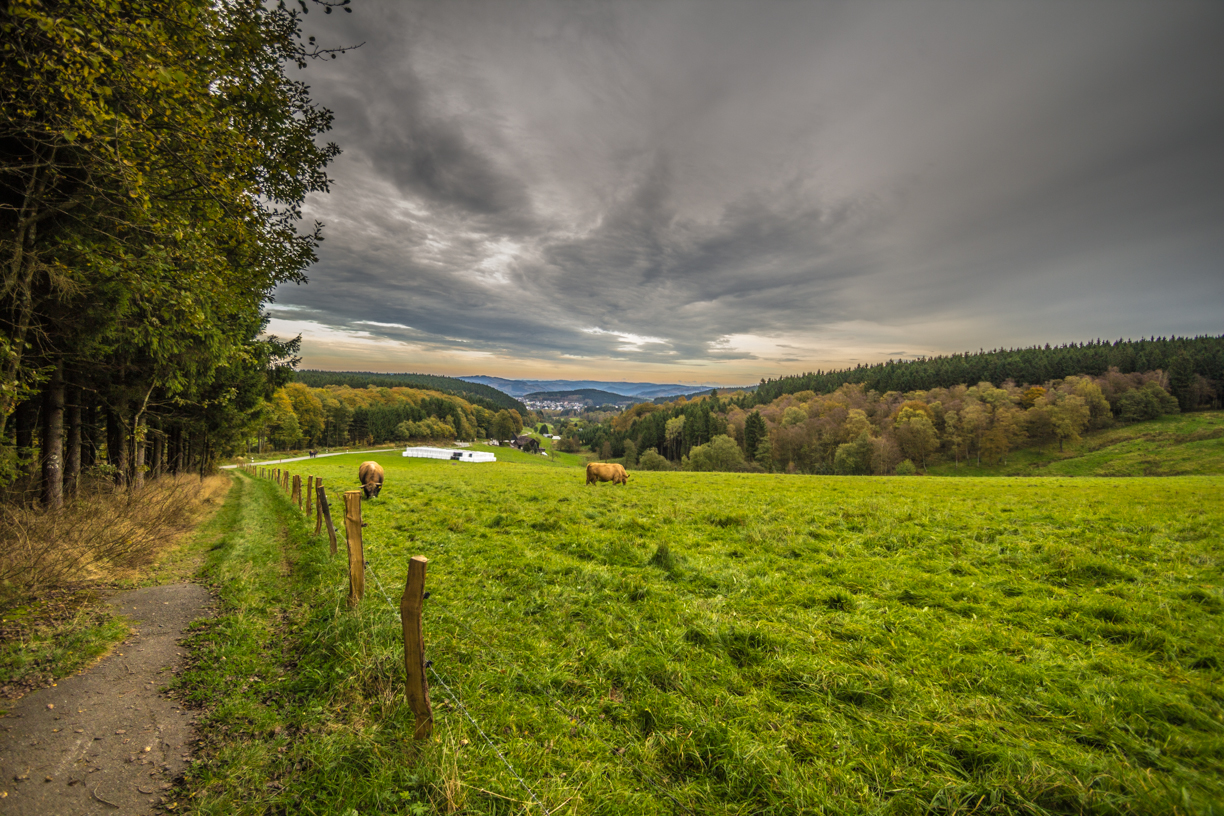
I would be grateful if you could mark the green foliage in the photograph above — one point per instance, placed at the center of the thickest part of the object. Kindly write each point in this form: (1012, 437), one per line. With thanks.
(854, 458)
(154, 158)
(1036, 364)
(1179, 444)
(720, 453)
(764, 454)
(754, 432)
(1148, 402)
(651, 460)
(906, 468)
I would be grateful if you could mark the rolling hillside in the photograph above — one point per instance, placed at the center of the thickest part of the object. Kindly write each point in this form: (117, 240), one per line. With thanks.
(473, 392)
(1176, 445)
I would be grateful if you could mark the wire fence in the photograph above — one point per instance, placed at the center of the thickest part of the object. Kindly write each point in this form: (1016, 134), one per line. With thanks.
(573, 717)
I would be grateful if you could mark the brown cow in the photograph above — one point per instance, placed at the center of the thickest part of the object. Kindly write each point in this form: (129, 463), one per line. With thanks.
(370, 474)
(602, 472)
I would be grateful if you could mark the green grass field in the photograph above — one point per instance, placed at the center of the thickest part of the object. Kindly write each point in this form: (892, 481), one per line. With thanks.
(1176, 445)
(727, 643)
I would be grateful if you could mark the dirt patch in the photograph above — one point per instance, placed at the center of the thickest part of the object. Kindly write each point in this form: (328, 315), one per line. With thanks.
(107, 740)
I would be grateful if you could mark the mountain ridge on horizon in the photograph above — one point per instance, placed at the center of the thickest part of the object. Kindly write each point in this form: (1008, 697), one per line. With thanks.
(520, 388)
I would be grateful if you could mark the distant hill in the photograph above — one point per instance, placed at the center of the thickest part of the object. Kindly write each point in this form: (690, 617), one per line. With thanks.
(475, 393)
(1180, 357)
(593, 396)
(641, 390)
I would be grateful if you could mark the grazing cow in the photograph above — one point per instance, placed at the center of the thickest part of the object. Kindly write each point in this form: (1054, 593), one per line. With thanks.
(602, 472)
(370, 474)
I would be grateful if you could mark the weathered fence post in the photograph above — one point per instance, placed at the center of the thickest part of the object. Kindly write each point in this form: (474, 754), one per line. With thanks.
(296, 496)
(325, 511)
(356, 556)
(321, 498)
(309, 497)
(414, 647)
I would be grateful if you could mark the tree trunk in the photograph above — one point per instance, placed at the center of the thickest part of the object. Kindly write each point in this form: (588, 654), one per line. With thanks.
(53, 441)
(72, 456)
(139, 432)
(174, 455)
(20, 274)
(26, 421)
(157, 466)
(117, 446)
(91, 442)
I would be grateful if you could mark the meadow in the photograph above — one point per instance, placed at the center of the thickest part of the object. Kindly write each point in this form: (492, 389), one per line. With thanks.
(730, 643)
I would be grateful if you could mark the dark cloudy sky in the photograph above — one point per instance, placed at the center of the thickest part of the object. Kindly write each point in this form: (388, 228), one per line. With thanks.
(719, 191)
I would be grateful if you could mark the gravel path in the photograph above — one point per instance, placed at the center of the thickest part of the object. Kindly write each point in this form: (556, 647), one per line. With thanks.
(107, 740)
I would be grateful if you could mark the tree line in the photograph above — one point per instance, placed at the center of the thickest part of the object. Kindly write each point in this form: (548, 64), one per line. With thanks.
(298, 417)
(856, 430)
(1183, 358)
(154, 157)
(475, 393)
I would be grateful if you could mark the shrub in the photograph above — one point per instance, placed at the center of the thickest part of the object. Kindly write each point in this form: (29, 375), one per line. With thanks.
(651, 460)
(906, 468)
(720, 453)
(1148, 402)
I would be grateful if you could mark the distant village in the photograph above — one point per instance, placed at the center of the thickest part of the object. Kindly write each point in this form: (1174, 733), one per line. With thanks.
(567, 404)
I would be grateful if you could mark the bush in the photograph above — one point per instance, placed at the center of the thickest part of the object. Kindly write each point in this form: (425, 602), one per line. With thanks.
(1148, 402)
(720, 453)
(906, 468)
(651, 460)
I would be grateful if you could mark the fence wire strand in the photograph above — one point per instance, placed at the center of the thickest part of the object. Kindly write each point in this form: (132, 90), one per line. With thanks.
(570, 715)
(459, 703)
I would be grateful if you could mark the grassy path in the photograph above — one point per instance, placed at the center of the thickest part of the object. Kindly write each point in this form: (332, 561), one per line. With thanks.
(285, 670)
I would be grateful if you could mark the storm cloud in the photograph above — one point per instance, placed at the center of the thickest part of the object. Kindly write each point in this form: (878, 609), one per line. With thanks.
(718, 192)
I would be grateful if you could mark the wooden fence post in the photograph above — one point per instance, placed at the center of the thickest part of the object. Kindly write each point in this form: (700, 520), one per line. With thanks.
(356, 555)
(414, 647)
(325, 510)
(309, 497)
(296, 496)
(322, 499)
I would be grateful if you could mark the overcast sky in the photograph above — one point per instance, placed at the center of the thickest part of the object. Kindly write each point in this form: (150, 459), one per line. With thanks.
(717, 192)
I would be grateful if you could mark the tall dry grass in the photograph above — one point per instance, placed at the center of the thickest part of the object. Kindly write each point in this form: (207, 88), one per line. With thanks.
(102, 534)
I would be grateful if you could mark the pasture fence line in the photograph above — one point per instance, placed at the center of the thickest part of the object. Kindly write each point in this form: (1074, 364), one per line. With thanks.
(408, 611)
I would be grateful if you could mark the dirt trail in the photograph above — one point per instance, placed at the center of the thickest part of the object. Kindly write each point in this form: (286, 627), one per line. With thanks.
(106, 741)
